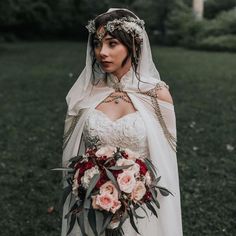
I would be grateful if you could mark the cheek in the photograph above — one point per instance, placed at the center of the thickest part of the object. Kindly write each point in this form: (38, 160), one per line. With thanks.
(121, 54)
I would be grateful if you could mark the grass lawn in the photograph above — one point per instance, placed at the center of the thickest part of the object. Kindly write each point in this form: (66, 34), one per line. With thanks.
(34, 80)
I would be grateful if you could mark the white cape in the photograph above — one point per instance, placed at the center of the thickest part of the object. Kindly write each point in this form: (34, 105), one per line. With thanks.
(161, 154)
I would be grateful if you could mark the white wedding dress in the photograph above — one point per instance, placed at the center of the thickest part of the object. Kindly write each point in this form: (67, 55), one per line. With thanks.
(128, 131)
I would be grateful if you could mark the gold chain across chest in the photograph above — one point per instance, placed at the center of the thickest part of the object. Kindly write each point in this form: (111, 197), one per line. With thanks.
(117, 97)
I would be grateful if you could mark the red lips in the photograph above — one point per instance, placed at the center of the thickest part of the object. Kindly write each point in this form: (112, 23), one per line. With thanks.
(105, 62)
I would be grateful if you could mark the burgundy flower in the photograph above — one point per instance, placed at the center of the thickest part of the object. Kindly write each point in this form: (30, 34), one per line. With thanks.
(86, 166)
(147, 197)
(116, 173)
(124, 154)
(91, 152)
(143, 167)
(102, 180)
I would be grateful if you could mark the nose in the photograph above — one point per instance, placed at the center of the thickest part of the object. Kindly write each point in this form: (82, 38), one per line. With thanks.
(104, 51)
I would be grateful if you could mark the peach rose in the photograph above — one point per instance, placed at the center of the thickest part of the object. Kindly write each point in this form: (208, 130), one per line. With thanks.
(124, 162)
(126, 181)
(116, 206)
(138, 191)
(105, 201)
(109, 187)
(131, 155)
(105, 151)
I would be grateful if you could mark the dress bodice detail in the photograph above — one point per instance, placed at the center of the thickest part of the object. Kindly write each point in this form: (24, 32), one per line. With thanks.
(129, 131)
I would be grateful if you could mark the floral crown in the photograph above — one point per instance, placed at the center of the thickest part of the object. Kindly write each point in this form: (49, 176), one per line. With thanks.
(128, 24)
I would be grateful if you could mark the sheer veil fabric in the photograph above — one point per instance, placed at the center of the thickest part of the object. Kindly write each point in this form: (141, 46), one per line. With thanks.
(83, 97)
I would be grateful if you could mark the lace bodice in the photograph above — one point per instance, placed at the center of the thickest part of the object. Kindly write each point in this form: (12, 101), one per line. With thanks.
(126, 132)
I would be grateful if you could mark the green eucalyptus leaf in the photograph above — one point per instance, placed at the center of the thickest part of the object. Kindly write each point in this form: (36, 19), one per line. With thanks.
(76, 158)
(150, 166)
(120, 167)
(87, 203)
(72, 223)
(131, 217)
(75, 206)
(86, 221)
(66, 191)
(151, 208)
(164, 192)
(153, 192)
(109, 159)
(155, 181)
(99, 221)
(143, 208)
(112, 178)
(92, 220)
(106, 222)
(80, 220)
(136, 215)
(123, 218)
(63, 169)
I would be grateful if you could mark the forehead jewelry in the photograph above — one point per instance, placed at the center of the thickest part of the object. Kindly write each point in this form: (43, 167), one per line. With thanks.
(100, 35)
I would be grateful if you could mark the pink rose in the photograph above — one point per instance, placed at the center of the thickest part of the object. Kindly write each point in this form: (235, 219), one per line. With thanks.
(116, 206)
(105, 201)
(138, 191)
(126, 181)
(105, 151)
(109, 187)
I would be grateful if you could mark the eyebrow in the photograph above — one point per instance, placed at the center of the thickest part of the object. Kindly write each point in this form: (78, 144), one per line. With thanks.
(109, 38)
(106, 39)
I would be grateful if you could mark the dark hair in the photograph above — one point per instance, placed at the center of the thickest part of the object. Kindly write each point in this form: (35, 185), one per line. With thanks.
(125, 38)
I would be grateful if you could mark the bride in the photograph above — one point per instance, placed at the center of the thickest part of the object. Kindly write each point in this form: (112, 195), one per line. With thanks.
(120, 98)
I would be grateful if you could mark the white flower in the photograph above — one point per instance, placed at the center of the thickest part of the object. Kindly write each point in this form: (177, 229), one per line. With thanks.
(125, 162)
(131, 155)
(105, 151)
(88, 175)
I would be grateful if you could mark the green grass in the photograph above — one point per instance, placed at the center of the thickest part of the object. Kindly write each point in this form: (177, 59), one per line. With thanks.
(34, 81)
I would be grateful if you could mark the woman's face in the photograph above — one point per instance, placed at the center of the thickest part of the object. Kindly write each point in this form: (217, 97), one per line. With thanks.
(110, 53)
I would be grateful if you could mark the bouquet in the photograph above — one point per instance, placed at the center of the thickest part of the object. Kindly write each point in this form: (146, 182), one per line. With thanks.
(109, 184)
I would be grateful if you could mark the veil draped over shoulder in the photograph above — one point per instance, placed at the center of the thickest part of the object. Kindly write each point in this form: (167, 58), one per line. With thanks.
(159, 118)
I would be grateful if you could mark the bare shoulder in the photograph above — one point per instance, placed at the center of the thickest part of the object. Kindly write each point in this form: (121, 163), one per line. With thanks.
(163, 94)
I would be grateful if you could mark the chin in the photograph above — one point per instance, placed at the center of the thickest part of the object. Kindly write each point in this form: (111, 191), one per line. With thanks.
(108, 70)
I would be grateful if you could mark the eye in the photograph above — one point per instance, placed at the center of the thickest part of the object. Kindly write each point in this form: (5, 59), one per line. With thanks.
(112, 44)
(96, 44)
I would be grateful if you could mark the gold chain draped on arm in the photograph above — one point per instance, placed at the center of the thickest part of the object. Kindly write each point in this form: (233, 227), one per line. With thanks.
(153, 94)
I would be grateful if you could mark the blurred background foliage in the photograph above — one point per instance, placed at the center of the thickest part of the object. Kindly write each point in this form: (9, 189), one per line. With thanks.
(168, 22)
